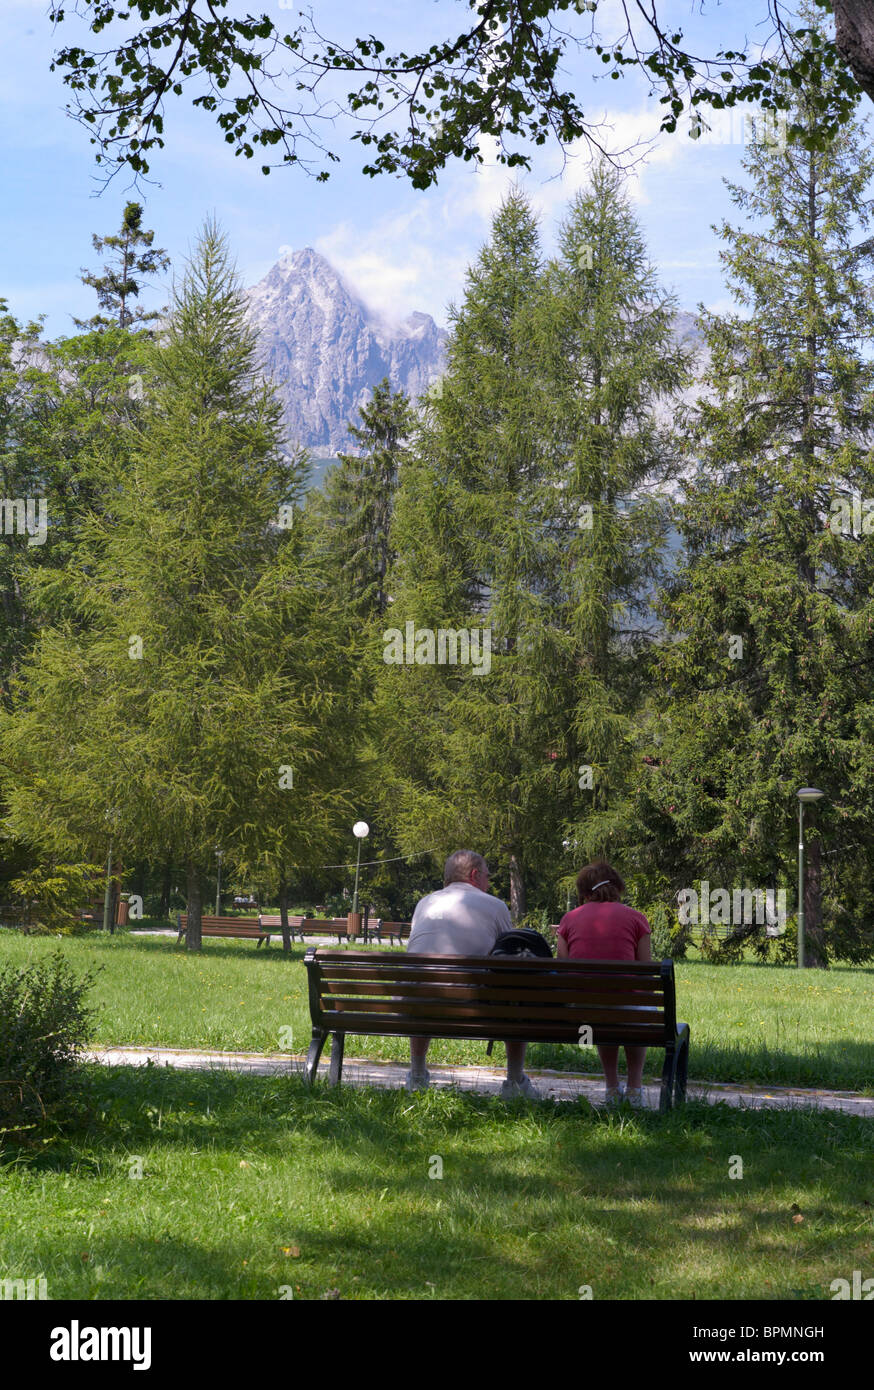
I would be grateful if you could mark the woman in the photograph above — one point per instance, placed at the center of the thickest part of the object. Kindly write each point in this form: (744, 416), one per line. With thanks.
(603, 928)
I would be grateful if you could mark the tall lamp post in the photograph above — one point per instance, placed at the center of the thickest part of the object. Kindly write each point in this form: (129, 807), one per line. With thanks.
(804, 794)
(360, 830)
(566, 845)
(218, 883)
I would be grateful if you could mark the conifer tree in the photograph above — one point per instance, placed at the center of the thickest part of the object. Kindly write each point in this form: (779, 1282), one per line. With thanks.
(208, 680)
(120, 282)
(544, 425)
(355, 510)
(767, 671)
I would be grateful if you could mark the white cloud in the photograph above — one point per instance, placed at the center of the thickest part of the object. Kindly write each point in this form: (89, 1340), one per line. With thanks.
(415, 255)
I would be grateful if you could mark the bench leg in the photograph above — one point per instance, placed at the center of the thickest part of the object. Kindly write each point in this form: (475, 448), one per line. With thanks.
(682, 1069)
(669, 1076)
(318, 1041)
(338, 1042)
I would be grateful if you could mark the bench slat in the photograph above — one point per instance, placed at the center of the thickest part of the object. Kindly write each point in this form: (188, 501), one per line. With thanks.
(569, 1015)
(472, 1028)
(406, 969)
(366, 961)
(457, 990)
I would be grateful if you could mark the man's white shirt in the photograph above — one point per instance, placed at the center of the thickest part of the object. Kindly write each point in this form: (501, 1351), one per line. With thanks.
(459, 920)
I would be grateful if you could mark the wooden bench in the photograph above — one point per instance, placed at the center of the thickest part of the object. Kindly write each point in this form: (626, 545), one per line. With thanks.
(324, 926)
(399, 930)
(247, 927)
(274, 923)
(495, 998)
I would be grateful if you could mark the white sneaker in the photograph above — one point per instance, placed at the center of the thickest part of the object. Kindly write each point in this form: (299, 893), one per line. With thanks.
(525, 1087)
(613, 1095)
(635, 1098)
(418, 1080)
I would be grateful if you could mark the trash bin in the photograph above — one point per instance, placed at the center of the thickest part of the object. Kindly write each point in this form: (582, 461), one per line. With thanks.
(122, 916)
(353, 925)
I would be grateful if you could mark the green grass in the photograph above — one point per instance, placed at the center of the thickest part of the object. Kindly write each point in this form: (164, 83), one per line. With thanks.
(251, 1185)
(749, 1023)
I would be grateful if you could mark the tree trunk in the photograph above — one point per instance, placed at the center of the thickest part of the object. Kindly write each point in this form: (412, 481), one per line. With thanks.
(140, 880)
(517, 891)
(165, 890)
(283, 915)
(114, 896)
(815, 956)
(193, 937)
(854, 40)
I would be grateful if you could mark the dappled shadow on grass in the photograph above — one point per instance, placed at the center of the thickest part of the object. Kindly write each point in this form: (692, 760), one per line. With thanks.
(168, 1107)
(532, 1197)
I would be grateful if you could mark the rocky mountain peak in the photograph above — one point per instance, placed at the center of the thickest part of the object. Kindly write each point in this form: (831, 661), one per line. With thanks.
(327, 350)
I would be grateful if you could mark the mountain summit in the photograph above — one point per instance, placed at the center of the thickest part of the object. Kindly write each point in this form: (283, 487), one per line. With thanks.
(326, 349)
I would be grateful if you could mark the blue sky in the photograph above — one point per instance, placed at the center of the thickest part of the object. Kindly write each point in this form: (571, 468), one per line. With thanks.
(400, 248)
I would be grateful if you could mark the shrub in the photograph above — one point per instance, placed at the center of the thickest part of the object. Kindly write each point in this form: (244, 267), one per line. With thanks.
(44, 1023)
(540, 919)
(54, 895)
(669, 938)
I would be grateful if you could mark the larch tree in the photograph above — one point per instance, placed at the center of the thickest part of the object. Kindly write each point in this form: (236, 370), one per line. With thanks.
(203, 689)
(523, 517)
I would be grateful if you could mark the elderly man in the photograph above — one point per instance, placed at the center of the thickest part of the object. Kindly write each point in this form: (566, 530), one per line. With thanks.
(462, 919)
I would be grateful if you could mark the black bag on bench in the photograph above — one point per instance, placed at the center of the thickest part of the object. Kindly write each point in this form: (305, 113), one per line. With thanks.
(524, 943)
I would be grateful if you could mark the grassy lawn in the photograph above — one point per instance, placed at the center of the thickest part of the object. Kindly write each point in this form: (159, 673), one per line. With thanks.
(749, 1022)
(251, 1185)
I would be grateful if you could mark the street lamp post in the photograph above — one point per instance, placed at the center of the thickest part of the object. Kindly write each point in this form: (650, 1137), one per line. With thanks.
(804, 794)
(360, 830)
(218, 883)
(566, 844)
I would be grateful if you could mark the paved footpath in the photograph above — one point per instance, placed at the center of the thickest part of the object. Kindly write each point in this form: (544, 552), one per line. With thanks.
(552, 1085)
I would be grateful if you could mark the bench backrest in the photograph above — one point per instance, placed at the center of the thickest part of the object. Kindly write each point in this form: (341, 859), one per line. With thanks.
(271, 921)
(249, 925)
(478, 997)
(394, 928)
(321, 923)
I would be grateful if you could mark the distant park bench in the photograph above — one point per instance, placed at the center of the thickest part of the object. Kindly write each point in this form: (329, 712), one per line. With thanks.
(307, 926)
(503, 998)
(323, 926)
(392, 930)
(247, 927)
(274, 923)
